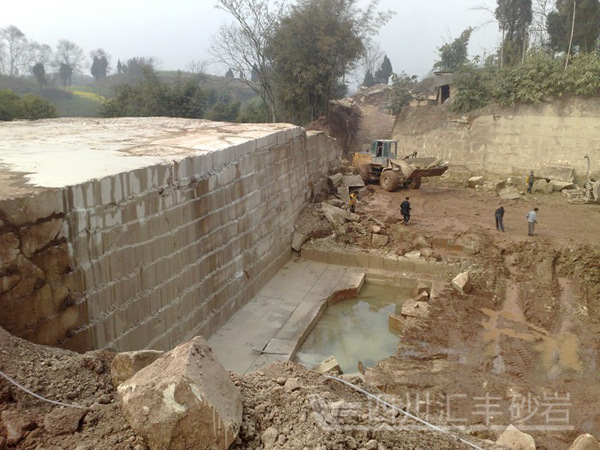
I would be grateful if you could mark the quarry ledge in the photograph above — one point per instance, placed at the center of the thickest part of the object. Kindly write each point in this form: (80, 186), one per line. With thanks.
(138, 231)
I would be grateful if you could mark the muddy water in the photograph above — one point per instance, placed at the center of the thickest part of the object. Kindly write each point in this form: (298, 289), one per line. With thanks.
(356, 329)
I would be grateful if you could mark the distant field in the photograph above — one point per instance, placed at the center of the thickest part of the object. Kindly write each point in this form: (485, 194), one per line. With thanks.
(81, 104)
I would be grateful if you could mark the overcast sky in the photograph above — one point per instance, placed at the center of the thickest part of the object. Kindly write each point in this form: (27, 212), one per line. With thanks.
(177, 32)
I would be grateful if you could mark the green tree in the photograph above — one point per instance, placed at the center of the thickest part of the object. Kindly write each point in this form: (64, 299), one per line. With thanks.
(453, 55)
(384, 72)
(99, 67)
(473, 86)
(30, 106)
(39, 72)
(399, 95)
(369, 79)
(65, 73)
(313, 48)
(253, 112)
(34, 108)
(137, 68)
(514, 18)
(10, 105)
(229, 74)
(153, 97)
(586, 30)
(225, 109)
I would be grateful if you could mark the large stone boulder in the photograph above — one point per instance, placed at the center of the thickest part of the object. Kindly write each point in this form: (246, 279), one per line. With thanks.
(185, 399)
(127, 364)
(462, 282)
(516, 440)
(559, 173)
(585, 442)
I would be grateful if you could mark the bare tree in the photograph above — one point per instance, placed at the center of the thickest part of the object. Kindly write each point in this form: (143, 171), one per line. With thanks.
(69, 54)
(370, 61)
(197, 67)
(15, 57)
(539, 34)
(242, 45)
(40, 53)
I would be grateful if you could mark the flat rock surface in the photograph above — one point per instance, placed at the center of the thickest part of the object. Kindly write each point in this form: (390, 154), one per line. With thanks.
(68, 151)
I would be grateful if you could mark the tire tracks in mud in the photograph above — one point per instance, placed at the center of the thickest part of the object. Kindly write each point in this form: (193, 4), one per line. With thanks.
(525, 349)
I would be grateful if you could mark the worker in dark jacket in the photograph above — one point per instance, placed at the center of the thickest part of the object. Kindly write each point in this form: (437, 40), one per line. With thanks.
(405, 210)
(499, 218)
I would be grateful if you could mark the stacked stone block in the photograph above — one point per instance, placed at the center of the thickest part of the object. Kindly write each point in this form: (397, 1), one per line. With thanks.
(157, 255)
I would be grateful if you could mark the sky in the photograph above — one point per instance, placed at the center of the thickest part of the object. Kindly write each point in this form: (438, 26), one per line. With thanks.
(177, 32)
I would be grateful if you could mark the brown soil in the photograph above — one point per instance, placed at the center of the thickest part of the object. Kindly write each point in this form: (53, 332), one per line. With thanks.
(526, 336)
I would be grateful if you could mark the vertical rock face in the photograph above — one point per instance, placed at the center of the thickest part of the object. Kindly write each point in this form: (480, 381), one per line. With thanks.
(169, 246)
(38, 288)
(184, 400)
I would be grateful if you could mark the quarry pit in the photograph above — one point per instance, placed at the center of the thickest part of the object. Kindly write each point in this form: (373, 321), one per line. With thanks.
(132, 234)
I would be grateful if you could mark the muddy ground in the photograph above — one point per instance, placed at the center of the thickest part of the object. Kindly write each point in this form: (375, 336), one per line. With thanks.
(521, 348)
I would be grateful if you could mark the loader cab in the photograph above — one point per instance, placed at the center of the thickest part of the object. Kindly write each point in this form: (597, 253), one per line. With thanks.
(384, 149)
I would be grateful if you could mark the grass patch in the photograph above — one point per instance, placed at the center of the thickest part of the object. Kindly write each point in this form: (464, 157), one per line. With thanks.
(81, 104)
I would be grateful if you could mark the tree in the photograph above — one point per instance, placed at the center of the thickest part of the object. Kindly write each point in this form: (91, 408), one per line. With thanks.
(35, 108)
(313, 48)
(68, 59)
(65, 73)
(370, 60)
(40, 53)
(30, 106)
(538, 28)
(242, 45)
(384, 72)
(225, 109)
(39, 72)
(10, 105)
(455, 54)
(229, 73)
(586, 29)
(137, 67)
(369, 79)
(120, 67)
(99, 67)
(152, 97)
(514, 18)
(15, 57)
(399, 95)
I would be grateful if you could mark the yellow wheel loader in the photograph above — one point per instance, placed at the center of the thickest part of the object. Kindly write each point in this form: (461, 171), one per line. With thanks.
(381, 163)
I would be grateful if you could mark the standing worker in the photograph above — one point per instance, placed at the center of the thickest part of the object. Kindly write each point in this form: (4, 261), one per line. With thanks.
(353, 201)
(530, 180)
(532, 220)
(499, 218)
(405, 210)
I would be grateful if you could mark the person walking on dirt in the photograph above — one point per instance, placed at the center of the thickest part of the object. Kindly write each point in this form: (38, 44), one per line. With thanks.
(405, 210)
(352, 202)
(532, 220)
(530, 180)
(499, 218)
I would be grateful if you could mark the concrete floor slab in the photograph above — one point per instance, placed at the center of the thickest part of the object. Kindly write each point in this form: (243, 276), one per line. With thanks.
(272, 325)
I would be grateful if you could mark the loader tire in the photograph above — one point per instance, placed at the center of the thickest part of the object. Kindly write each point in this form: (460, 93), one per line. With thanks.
(364, 170)
(389, 180)
(415, 183)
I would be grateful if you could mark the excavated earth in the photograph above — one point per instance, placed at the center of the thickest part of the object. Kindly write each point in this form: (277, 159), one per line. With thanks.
(527, 331)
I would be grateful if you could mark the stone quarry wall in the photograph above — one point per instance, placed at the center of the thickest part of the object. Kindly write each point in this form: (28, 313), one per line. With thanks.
(505, 141)
(152, 257)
